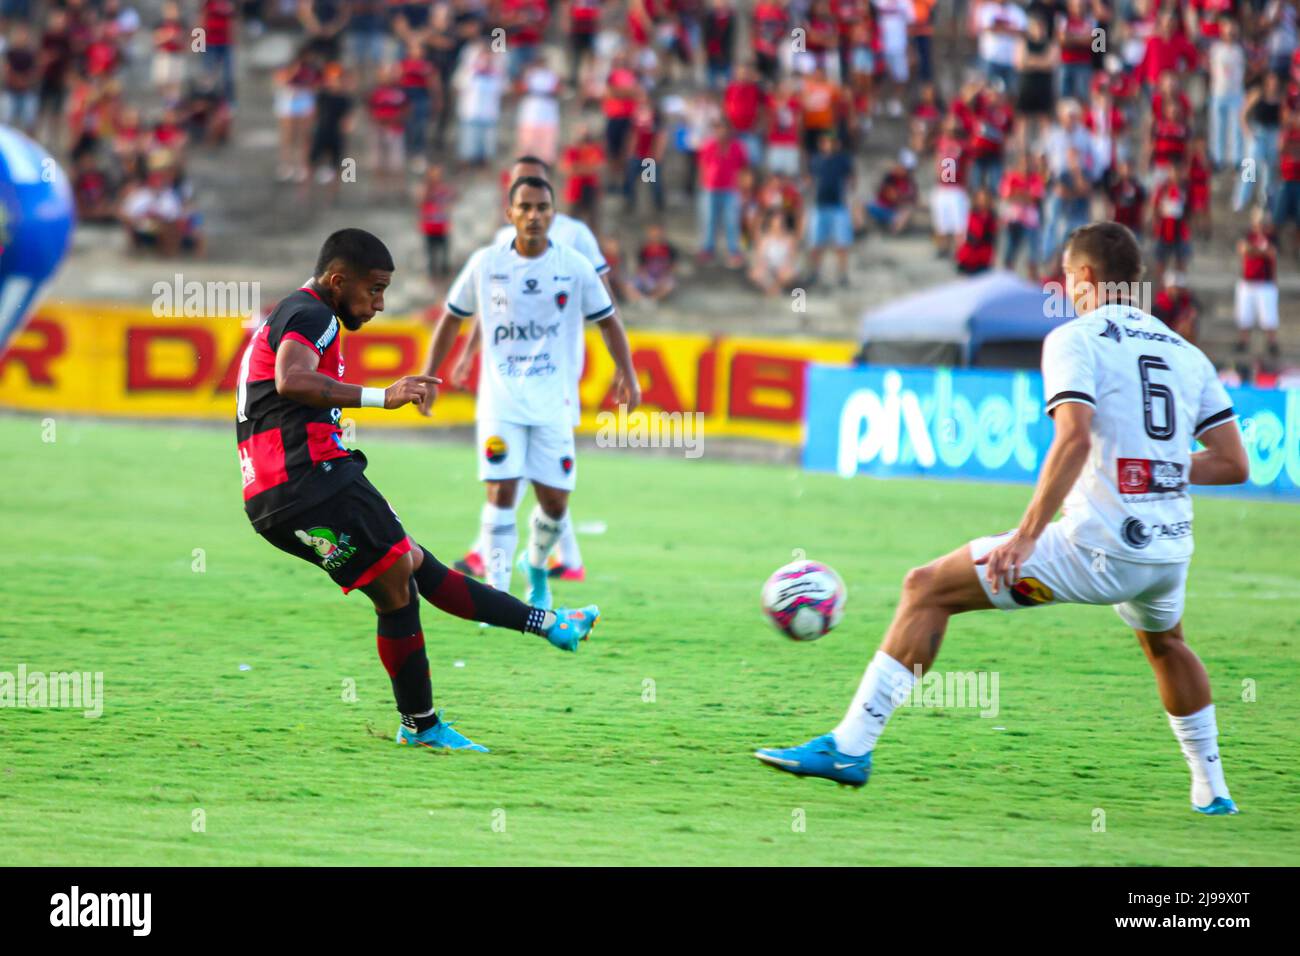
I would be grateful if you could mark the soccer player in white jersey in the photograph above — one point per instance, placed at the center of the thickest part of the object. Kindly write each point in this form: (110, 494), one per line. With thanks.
(1127, 396)
(565, 231)
(533, 298)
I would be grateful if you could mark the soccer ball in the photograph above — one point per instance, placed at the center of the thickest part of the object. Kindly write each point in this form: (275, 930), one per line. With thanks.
(804, 600)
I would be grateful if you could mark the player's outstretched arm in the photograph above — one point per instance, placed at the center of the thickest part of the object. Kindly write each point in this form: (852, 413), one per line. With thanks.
(444, 336)
(1224, 460)
(1065, 460)
(626, 387)
(465, 364)
(296, 379)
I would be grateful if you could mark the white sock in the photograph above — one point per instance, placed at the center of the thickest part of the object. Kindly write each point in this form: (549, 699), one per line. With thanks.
(501, 537)
(885, 682)
(543, 532)
(1198, 735)
(569, 553)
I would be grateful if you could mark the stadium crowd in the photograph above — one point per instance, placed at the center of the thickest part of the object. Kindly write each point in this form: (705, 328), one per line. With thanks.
(774, 116)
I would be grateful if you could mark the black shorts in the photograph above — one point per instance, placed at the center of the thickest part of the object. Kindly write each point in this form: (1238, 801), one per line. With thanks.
(354, 535)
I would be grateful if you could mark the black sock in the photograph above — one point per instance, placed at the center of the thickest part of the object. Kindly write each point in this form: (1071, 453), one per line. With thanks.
(458, 594)
(401, 648)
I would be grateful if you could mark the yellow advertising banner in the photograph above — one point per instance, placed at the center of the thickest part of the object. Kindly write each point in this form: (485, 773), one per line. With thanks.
(120, 361)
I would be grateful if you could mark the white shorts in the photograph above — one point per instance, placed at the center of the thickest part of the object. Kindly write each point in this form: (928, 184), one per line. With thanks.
(1256, 305)
(949, 210)
(540, 453)
(1147, 597)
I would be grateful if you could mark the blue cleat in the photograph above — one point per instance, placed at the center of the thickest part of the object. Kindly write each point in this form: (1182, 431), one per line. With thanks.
(441, 736)
(539, 583)
(572, 626)
(819, 757)
(1218, 807)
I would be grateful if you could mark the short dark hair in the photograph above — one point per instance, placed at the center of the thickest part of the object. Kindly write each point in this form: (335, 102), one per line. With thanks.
(358, 250)
(537, 182)
(534, 161)
(1111, 248)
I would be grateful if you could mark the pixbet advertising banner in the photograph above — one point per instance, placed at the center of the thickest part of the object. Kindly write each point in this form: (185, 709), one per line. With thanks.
(126, 362)
(990, 424)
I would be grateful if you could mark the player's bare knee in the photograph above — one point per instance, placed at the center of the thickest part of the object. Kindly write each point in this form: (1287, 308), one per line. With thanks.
(918, 583)
(1160, 643)
(501, 494)
(553, 501)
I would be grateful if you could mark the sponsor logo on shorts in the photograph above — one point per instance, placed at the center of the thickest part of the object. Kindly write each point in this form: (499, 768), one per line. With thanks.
(1029, 592)
(1139, 534)
(495, 449)
(1141, 476)
(333, 549)
(567, 464)
(1135, 533)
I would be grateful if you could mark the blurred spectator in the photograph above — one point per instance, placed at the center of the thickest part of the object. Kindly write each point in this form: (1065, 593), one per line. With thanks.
(656, 262)
(1227, 63)
(784, 130)
(525, 23)
(582, 163)
(922, 32)
(171, 41)
(893, 18)
(743, 105)
(334, 104)
(1022, 191)
(388, 109)
(435, 221)
(1261, 118)
(719, 40)
(56, 58)
(154, 213)
(1127, 197)
(1074, 38)
(582, 23)
(1177, 307)
(896, 198)
(1168, 50)
(93, 191)
(419, 83)
(1198, 188)
(295, 102)
(949, 204)
(366, 37)
(721, 159)
(975, 253)
(19, 99)
(618, 106)
(1066, 206)
(1036, 60)
(822, 104)
(988, 125)
(830, 224)
(1286, 210)
(780, 194)
(769, 29)
(479, 86)
(927, 116)
(1170, 214)
(219, 20)
(646, 154)
(773, 264)
(323, 22)
(538, 132)
(1001, 25)
(1256, 293)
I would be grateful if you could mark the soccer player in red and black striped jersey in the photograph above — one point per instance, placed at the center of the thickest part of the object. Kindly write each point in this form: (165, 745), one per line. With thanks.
(307, 494)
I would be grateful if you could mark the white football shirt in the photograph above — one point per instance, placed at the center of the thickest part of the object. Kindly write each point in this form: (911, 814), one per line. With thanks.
(1153, 393)
(532, 314)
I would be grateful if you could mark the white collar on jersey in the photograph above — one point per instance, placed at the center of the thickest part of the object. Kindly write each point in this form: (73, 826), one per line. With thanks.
(1114, 309)
(549, 245)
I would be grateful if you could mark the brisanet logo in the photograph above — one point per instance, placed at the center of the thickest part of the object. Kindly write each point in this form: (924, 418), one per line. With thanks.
(102, 909)
(939, 428)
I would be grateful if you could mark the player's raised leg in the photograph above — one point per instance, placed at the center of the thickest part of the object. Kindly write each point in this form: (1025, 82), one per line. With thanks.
(1184, 688)
(930, 596)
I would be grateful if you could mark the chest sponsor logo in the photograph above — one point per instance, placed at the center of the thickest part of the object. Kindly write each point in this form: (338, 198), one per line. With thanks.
(532, 332)
(333, 549)
(1142, 476)
(327, 336)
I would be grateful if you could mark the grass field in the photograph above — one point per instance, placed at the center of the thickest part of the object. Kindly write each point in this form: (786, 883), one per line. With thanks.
(101, 530)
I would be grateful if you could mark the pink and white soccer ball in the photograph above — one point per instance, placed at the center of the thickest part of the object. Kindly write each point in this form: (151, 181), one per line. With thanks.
(804, 600)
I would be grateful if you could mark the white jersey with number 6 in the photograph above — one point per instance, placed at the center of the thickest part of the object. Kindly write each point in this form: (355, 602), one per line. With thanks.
(533, 313)
(1153, 393)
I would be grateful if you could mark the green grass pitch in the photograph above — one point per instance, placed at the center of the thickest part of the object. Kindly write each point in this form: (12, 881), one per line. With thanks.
(637, 749)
